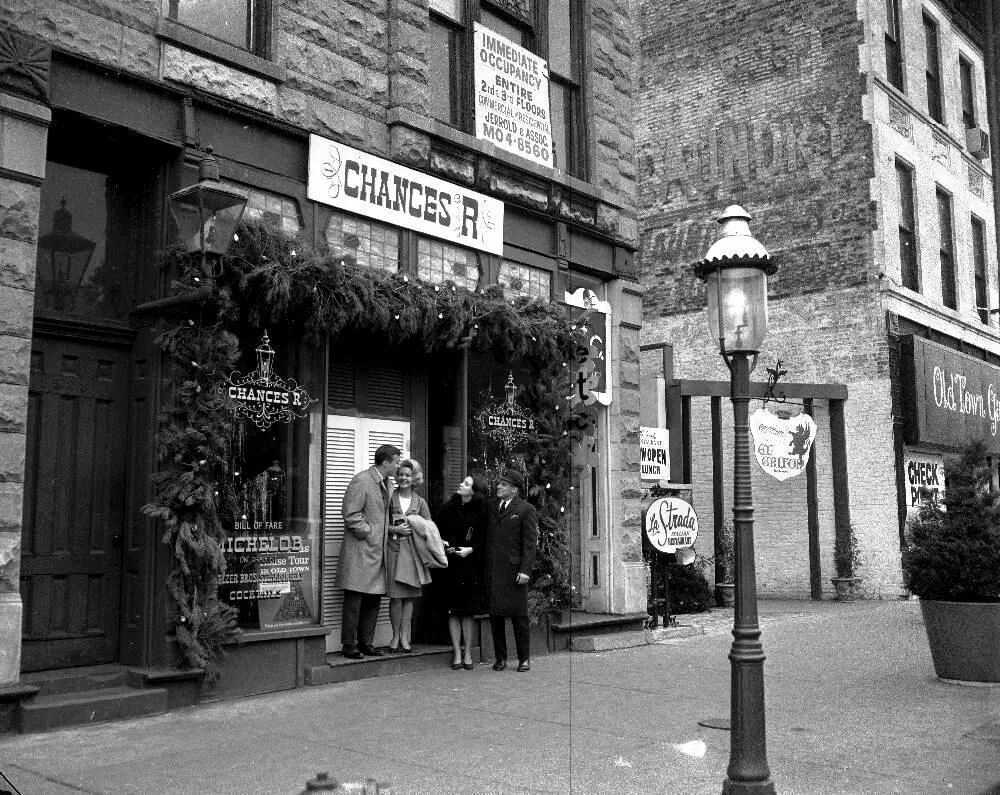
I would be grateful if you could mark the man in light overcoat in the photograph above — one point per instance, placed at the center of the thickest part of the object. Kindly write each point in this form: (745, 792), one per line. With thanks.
(361, 569)
(511, 541)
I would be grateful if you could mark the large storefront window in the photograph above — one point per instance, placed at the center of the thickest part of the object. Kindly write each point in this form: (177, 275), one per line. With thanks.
(369, 243)
(272, 568)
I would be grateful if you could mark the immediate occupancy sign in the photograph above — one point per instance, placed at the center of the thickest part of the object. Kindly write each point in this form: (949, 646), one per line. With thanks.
(671, 524)
(512, 97)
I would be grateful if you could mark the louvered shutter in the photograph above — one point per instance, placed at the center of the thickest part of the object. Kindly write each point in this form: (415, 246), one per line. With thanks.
(350, 448)
(454, 458)
(341, 465)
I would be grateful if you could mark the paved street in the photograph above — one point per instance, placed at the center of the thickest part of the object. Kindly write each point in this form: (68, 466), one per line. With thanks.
(852, 707)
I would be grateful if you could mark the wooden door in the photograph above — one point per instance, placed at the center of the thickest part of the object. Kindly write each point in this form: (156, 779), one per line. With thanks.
(350, 448)
(74, 503)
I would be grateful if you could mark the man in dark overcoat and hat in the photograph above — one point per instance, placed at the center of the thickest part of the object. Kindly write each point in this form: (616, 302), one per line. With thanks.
(511, 540)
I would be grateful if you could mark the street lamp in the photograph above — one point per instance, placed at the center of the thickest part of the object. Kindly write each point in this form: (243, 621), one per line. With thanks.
(207, 214)
(735, 272)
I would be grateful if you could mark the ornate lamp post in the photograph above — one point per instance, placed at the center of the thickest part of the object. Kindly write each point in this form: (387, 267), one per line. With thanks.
(63, 259)
(735, 271)
(207, 214)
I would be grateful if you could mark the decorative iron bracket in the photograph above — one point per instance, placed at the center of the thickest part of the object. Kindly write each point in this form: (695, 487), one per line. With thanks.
(774, 374)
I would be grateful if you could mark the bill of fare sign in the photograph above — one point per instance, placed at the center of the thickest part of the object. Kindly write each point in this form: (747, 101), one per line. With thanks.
(512, 97)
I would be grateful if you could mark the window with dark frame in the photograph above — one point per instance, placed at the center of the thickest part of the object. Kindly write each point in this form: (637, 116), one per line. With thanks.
(242, 23)
(446, 31)
(550, 28)
(965, 72)
(893, 45)
(909, 271)
(935, 103)
(947, 250)
(979, 264)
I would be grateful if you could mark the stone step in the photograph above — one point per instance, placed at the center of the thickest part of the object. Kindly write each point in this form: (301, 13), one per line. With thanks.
(631, 639)
(44, 713)
(72, 680)
(340, 669)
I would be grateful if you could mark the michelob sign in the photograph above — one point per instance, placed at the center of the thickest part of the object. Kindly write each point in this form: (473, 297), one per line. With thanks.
(671, 524)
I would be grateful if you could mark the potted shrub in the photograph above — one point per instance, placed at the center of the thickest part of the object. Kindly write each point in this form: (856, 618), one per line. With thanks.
(952, 562)
(725, 557)
(846, 562)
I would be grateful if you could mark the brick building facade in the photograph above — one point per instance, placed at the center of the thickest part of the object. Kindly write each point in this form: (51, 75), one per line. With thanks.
(790, 110)
(105, 110)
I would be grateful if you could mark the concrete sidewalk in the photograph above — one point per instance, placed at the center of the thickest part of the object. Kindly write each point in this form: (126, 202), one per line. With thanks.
(852, 707)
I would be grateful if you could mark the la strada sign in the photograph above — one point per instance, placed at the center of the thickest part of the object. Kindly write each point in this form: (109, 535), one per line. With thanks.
(950, 398)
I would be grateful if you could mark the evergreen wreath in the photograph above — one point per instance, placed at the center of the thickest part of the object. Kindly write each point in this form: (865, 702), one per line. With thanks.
(270, 279)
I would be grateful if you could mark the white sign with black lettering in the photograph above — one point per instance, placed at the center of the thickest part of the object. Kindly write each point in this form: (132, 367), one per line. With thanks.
(654, 454)
(671, 524)
(924, 479)
(372, 187)
(512, 97)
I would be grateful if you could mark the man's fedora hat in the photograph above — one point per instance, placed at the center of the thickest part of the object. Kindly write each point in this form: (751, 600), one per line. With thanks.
(514, 478)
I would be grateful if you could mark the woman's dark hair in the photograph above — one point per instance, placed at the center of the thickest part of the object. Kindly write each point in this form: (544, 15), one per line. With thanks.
(480, 487)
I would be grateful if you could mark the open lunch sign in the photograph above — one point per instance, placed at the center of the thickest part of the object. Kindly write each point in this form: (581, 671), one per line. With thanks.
(671, 524)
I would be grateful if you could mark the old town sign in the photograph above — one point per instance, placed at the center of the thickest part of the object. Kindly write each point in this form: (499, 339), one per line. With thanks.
(261, 396)
(949, 398)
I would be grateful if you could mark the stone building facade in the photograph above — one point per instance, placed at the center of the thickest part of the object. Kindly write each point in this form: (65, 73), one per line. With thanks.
(111, 104)
(803, 113)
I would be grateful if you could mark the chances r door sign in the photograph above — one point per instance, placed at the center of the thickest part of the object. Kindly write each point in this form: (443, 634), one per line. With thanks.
(782, 444)
(263, 397)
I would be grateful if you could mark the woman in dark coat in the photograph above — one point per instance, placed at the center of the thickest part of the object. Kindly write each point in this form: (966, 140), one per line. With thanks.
(462, 523)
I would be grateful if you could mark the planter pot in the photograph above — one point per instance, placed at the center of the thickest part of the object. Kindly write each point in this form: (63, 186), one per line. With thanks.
(846, 588)
(725, 594)
(964, 639)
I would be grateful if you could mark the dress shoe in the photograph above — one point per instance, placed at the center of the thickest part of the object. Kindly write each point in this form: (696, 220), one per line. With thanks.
(499, 665)
(523, 666)
(456, 666)
(370, 651)
(405, 650)
(351, 652)
(394, 650)
(468, 666)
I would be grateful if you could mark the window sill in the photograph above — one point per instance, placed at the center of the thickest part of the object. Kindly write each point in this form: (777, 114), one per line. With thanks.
(260, 635)
(939, 127)
(196, 41)
(444, 132)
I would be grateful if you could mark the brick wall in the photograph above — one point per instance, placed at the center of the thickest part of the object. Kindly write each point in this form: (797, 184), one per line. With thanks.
(757, 103)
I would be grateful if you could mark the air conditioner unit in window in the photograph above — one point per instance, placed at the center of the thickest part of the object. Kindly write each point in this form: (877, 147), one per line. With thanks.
(978, 142)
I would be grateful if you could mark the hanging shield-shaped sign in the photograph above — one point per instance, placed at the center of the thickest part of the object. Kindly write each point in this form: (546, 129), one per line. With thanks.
(782, 445)
(671, 524)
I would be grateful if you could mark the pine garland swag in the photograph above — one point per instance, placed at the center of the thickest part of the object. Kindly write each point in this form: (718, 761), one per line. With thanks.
(194, 440)
(270, 280)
